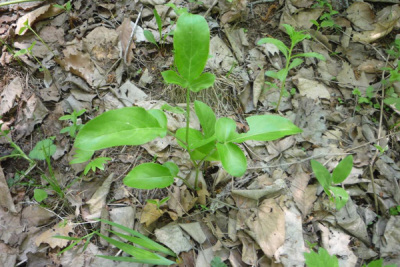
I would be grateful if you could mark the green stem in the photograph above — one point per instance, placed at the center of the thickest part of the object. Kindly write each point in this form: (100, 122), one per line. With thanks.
(40, 39)
(288, 59)
(17, 2)
(187, 117)
(186, 182)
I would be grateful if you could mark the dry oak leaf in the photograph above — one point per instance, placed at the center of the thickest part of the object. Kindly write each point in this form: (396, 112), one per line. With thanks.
(48, 236)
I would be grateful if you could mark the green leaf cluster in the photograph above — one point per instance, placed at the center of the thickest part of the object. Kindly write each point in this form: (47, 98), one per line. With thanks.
(75, 127)
(292, 61)
(322, 258)
(339, 174)
(43, 149)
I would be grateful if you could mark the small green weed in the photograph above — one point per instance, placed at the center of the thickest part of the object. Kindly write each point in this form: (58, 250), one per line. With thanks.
(157, 202)
(326, 20)
(322, 258)
(395, 210)
(217, 262)
(292, 61)
(75, 127)
(67, 6)
(336, 194)
(149, 35)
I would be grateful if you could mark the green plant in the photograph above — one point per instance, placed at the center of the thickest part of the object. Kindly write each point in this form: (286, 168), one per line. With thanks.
(17, 2)
(67, 6)
(43, 150)
(149, 35)
(216, 142)
(326, 19)
(141, 254)
(366, 99)
(27, 26)
(378, 263)
(75, 127)
(217, 262)
(336, 194)
(322, 258)
(157, 202)
(395, 210)
(292, 61)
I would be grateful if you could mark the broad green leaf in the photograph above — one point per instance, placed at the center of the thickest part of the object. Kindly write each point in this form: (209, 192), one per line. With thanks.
(342, 170)
(176, 110)
(196, 138)
(310, 54)
(341, 196)
(81, 156)
(150, 37)
(149, 176)
(125, 126)
(282, 74)
(378, 263)
(266, 128)
(225, 130)
(171, 76)
(279, 44)
(289, 30)
(43, 149)
(158, 20)
(191, 44)
(327, 23)
(39, 195)
(217, 262)
(206, 151)
(204, 81)
(172, 167)
(296, 62)
(141, 255)
(232, 158)
(322, 258)
(206, 117)
(321, 173)
(145, 241)
(272, 74)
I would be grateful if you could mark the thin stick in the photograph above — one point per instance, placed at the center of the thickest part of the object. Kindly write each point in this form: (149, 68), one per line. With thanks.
(132, 34)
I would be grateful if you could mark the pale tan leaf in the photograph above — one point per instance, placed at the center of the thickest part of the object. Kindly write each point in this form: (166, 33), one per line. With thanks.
(48, 236)
(150, 214)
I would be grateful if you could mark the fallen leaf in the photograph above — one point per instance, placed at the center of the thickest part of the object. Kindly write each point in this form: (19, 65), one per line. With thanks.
(10, 93)
(150, 214)
(48, 236)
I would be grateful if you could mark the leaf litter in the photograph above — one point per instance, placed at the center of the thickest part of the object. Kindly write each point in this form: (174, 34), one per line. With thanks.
(262, 218)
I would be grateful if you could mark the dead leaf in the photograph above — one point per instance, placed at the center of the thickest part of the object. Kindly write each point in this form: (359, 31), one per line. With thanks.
(150, 214)
(173, 237)
(35, 215)
(10, 93)
(361, 14)
(98, 200)
(48, 236)
(124, 32)
(195, 231)
(6, 200)
(267, 226)
(258, 86)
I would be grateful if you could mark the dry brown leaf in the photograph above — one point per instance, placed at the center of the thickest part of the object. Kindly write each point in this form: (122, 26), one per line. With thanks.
(48, 236)
(98, 200)
(32, 17)
(9, 94)
(6, 200)
(249, 250)
(150, 214)
(267, 226)
(361, 14)
(258, 86)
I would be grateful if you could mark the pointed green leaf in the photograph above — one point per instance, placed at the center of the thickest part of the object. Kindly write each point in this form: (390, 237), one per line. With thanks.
(279, 44)
(176, 110)
(191, 44)
(208, 150)
(342, 170)
(282, 74)
(171, 76)
(232, 158)
(81, 156)
(196, 138)
(341, 196)
(150, 37)
(310, 54)
(225, 130)
(97, 163)
(145, 261)
(204, 81)
(321, 173)
(296, 62)
(125, 126)
(149, 176)
(43, 149)
(272, 74)
(158, 21)
(266, 128)
(145, 241)
(172, 167)
(206, 117)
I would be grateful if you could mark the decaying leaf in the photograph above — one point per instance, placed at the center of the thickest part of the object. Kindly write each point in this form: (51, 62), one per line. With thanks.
(48, 236)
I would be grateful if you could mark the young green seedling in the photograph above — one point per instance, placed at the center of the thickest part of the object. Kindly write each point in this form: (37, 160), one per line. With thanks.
(336, 194)
(75, 127)
(216, 141)
(157, 202)
(292, 61)
(322, 258)
(149, 35)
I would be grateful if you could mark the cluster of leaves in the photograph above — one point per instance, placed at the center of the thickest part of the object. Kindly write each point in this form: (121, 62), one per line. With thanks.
(336, 194)
(218, 139)
(75, 127)
(326, 20)
(323, 258)
(141, 252)
(292, 61)
(365, 99)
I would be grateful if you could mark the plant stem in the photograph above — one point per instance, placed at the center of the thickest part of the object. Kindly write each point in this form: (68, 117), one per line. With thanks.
(17, 2)
(187, 117)
(284, 80)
